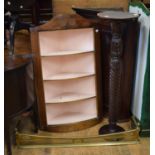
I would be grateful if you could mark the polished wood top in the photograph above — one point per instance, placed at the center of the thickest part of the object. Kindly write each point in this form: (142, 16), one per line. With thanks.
(117, 15)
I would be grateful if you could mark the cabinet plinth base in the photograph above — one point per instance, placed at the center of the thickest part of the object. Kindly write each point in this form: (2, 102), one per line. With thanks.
(106, 129)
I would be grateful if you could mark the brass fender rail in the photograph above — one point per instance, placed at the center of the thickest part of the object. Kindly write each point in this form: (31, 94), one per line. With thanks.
(41, 141)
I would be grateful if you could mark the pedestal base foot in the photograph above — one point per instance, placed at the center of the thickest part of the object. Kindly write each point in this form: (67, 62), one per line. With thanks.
(106, 129)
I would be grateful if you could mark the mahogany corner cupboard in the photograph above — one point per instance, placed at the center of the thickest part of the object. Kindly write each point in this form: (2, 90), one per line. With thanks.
(67, 74)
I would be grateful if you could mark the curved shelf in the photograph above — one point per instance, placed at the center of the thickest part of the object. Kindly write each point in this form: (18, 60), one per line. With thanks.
(71, 112)
(66, 76)
(76, 64)
(69, 90)
(70, 97)
(65, 42)
(63, 53)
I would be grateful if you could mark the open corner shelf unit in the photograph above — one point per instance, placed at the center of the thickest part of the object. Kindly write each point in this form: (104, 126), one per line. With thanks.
(66, 72)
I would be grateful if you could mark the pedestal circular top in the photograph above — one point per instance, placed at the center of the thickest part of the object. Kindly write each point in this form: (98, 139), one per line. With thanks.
(117, 15)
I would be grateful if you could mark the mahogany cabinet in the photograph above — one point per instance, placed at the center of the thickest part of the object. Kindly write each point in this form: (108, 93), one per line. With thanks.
(67, 74)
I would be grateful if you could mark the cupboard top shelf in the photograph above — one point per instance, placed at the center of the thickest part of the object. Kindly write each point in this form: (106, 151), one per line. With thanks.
(64, 42)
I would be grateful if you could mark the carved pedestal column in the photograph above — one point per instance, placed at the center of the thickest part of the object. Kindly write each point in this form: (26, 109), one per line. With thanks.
(114, 79)
(119, 21)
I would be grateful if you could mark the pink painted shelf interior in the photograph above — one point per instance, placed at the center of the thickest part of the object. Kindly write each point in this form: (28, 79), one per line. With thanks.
(68, 71)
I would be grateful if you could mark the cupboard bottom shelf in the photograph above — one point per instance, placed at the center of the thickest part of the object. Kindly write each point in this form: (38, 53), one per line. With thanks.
(70, 117)
(71, 113)
(73, 126)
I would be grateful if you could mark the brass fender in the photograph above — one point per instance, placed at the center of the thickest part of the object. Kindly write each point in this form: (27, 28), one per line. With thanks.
(40, 141)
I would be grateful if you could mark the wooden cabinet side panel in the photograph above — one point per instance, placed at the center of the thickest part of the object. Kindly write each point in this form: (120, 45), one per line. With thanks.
(38, 80)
